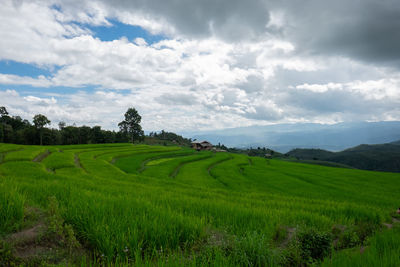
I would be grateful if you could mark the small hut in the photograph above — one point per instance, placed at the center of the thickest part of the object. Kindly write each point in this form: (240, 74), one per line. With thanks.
(202, 145)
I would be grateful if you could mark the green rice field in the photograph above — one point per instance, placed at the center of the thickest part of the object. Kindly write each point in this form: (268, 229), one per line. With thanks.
(139, 205)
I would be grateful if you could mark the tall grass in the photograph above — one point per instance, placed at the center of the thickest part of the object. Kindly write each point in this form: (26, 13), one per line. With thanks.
(216, 209)
(11, 208)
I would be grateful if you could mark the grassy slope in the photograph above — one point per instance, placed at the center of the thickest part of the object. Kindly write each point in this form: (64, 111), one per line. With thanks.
(382, 157)
(124, 204)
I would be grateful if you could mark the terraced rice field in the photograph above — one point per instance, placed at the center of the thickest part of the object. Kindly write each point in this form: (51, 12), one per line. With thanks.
(155, 205)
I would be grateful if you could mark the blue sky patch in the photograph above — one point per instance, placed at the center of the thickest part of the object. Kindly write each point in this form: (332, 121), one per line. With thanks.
(25, 90)
(57, 91)
(24, 69)
(119, 29)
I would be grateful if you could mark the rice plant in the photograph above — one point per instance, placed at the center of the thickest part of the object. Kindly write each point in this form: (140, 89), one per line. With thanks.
(144, 205)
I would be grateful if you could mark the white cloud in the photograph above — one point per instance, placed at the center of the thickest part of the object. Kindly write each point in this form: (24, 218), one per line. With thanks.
(320, 88)
(185, 81)
(40, 101)
(140, 41)
(40, 81)
(370, 89)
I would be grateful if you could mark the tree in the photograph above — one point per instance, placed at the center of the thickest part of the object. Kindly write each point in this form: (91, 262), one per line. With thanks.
(84, 134)
(131, 125)
(3, 115)
(3, 111)
(40, 121)
(96, 134)
(61, 125)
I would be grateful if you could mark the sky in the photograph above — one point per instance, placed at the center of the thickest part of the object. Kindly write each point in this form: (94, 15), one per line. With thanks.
(200, 65)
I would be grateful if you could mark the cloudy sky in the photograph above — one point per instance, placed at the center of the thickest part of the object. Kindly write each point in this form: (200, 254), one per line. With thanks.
(208, 64)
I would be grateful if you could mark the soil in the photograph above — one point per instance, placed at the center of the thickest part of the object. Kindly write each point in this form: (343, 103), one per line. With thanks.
(42, 156)
(33, 244)
(388, 225)
(289, 237)
(28, 243)
(216, 239)
(27, 236)
(78, 163)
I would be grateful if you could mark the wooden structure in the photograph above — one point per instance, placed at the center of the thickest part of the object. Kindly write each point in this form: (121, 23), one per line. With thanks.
(202, 145)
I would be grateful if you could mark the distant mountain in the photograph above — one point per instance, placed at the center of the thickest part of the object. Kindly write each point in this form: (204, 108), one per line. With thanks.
(310, 154)
(383, 157)
(285, 137)
(396, 143)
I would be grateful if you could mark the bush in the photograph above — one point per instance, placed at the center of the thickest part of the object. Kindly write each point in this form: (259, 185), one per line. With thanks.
(365, 229)
(252, 249)
(314, 244)
(348, 239)
(308, 246)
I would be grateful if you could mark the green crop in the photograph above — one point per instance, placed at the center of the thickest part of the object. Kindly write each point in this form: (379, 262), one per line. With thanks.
(157, 205)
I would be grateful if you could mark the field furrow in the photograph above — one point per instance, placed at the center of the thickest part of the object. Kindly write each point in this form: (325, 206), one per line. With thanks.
(170, 205)
(39, 158)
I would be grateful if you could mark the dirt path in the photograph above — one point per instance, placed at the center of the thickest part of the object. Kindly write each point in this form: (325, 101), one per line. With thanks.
(26, 243)
(41, 156)
(35, 244)
(290, 234)
(390, 225)
(27, 236)
(77, 162)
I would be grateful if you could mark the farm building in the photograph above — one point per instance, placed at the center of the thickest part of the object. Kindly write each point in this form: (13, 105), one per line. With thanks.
(202, 145)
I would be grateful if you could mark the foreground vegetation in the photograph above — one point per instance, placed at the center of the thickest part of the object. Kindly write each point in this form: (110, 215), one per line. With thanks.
(124, 204)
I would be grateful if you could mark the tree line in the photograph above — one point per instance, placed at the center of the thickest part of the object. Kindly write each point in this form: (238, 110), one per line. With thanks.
(14, 129)
(170, 136)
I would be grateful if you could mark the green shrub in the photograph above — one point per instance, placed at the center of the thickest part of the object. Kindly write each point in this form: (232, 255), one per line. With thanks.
(365, 229)
(348, 239)
(314, 244)
(309, 245)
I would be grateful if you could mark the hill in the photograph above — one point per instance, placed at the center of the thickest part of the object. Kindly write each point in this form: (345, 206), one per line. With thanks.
(140, 205)
(383, 157)
(285, 137)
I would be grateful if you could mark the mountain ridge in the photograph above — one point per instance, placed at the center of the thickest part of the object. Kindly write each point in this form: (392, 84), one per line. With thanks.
(285, 137)
(377, 157)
